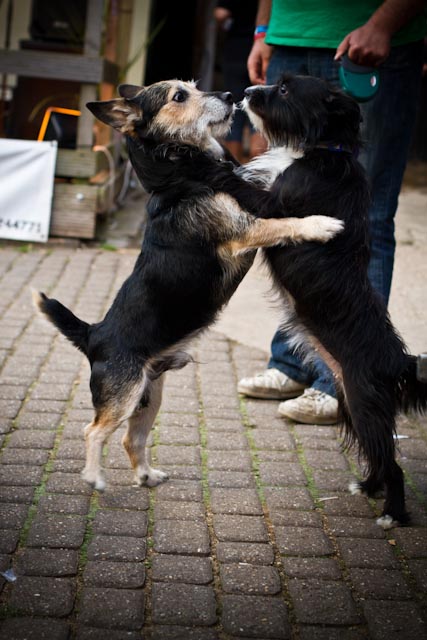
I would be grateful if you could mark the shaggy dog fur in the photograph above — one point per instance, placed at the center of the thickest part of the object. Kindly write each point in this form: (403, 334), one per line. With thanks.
(313, 130)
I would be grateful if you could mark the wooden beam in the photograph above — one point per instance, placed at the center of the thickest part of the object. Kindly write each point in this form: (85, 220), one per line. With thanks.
(93, 29)
(92, 45)
(138, 35)
(74, 211)
(124, 32)
(85, 124)
(76, 163)
(64, 66)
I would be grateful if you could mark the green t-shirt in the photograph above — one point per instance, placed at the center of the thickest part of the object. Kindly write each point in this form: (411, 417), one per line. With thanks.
(324, 23)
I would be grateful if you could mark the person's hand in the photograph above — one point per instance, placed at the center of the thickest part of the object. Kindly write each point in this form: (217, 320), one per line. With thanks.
(368, 45)
(258, 60)
(221, 15)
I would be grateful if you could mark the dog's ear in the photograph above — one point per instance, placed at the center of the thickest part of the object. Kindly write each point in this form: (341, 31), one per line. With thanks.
(340, 104)
(119, 114)
(129, 91)
(344, 117)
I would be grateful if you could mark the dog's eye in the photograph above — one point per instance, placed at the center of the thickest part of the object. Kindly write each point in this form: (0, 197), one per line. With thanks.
(180, 96)
(283, 89)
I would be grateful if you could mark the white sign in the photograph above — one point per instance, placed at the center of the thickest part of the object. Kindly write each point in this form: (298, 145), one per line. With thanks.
(27, 170)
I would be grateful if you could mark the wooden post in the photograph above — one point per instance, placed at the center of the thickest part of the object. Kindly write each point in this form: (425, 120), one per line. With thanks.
(107, 90)
(139, 34)
(92, 45)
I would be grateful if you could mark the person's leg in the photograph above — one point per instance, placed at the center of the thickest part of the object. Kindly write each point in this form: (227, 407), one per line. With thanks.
(285, 376)
(387, 127)
(287, 360)
(323, 378)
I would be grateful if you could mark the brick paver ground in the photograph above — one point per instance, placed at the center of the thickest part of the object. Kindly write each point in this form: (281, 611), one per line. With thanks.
(253, 536)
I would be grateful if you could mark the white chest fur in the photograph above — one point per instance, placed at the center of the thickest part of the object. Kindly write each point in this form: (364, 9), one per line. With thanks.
(269, 165)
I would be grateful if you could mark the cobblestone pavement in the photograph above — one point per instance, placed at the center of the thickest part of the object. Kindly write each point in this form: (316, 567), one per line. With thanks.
(253, 536)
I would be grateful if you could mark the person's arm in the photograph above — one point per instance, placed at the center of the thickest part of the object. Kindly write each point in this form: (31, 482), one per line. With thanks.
(260, 54)
(370, 43)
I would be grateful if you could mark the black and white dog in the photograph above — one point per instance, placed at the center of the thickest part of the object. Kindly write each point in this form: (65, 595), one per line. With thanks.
(331, 307)
(198, 245)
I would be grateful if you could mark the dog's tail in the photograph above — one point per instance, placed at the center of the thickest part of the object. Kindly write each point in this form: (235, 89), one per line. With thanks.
(411, 393)
(74, 329)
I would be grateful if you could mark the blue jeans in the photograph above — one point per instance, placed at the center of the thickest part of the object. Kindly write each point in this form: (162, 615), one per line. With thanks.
(387, 127)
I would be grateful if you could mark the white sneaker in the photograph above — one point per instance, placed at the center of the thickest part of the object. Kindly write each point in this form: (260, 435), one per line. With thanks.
(313, 407)
(271, 384)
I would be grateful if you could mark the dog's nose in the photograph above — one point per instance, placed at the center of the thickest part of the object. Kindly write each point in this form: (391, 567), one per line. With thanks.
(227, 97)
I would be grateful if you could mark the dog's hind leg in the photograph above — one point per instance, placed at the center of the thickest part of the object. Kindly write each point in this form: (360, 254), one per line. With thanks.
(394, 511)
(117, 387)
(372, 409)
(97, 433)
(135, 439)
(370, 486)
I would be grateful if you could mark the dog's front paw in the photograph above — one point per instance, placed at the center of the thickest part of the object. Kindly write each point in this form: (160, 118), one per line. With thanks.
(150, 477)
(324, 228)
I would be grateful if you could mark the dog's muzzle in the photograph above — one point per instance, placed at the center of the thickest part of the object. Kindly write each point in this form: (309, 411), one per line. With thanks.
(227, 97)
(249, 91)
(227, 104)
(257, 90)
(253, 96)
(224, 96)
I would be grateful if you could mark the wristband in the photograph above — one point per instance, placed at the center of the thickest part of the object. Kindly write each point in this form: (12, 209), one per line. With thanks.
(260, 31)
